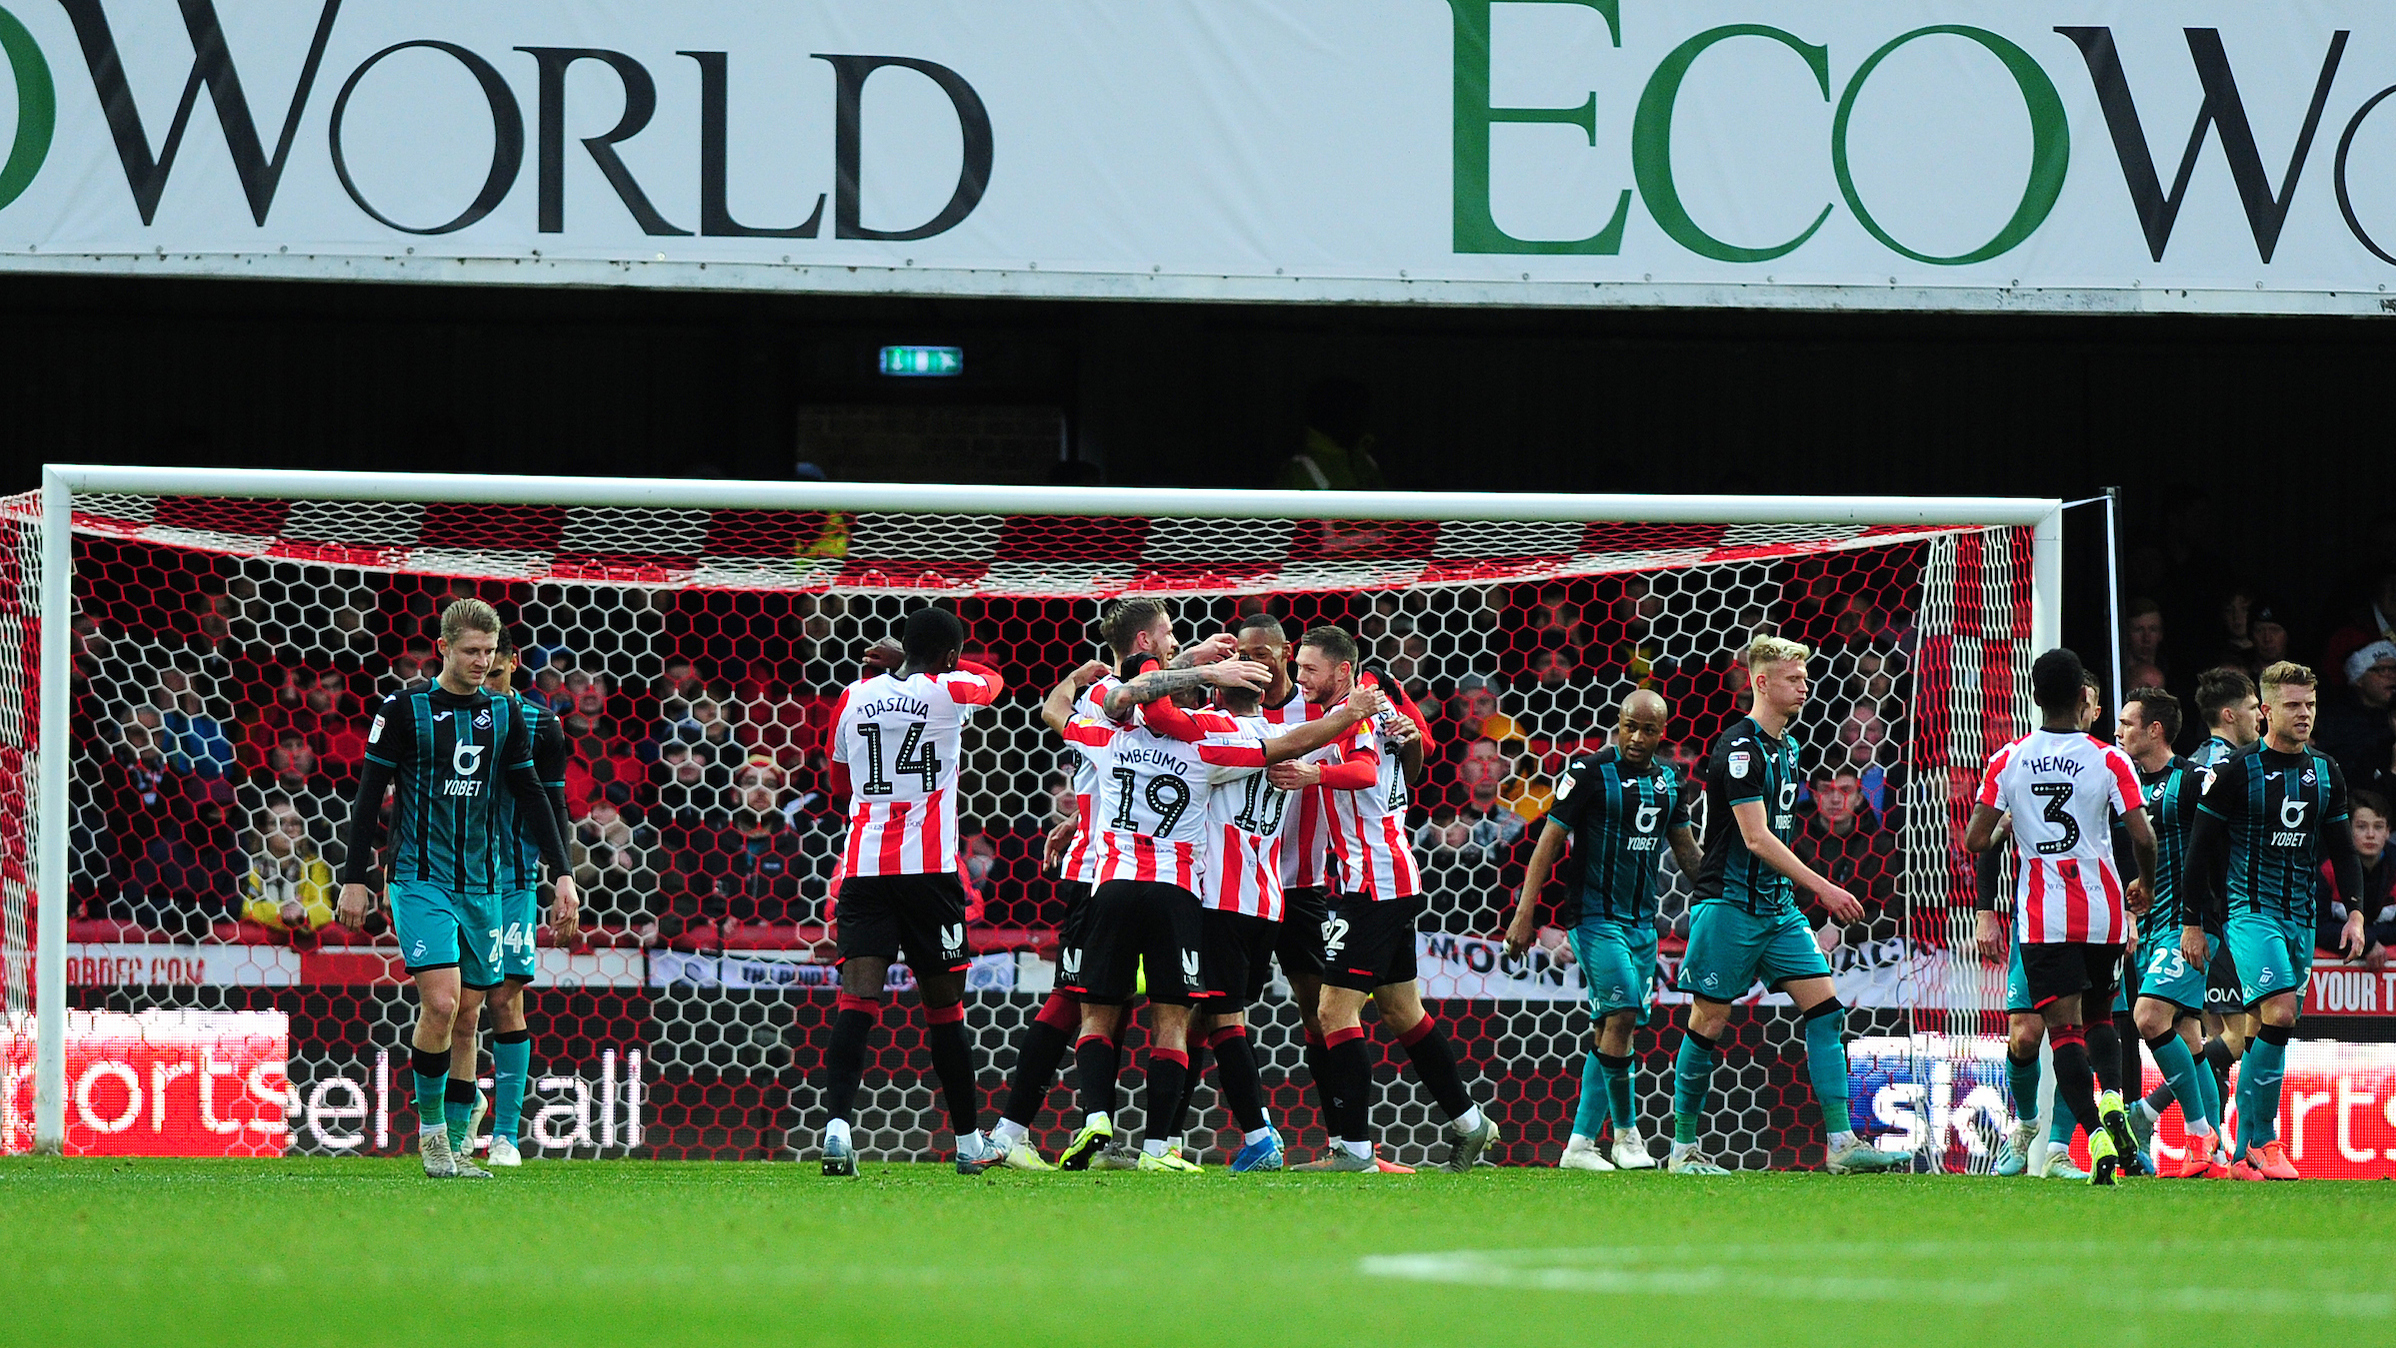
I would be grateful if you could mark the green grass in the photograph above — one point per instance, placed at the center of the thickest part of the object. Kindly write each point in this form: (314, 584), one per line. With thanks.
(368, 1252)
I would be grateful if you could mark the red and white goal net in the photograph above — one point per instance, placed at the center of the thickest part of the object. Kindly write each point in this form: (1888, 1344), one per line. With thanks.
(231, 632)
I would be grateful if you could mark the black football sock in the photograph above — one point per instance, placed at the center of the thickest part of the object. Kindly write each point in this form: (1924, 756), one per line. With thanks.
(1168, 1079)
(844, 1056)
(2074, 1085)
(1351, 1087)
(1434, 1061)
(2133, 1067)
(1095, 1059)
(952, 1062)
(1318, 1074)
(2218, 1058)
(2104, 1055)
(1235, 1071)
(1189, 1090)
(1038, 1054)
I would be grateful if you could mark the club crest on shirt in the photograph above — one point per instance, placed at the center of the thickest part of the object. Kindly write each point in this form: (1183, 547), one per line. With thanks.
(1740, 761)
(482, 719)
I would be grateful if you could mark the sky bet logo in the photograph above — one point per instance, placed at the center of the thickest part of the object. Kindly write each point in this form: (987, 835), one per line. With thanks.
(213, 73)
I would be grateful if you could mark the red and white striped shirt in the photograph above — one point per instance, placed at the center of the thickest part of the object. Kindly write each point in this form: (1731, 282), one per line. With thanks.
(1087, 736)
(1250, 821)
(1153, 799)
(1306, 850)
(1368, 825)
(2063, 789)
(899, 739)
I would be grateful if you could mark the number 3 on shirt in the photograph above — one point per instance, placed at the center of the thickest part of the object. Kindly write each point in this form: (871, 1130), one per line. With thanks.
(2058, 797)
(913, 756)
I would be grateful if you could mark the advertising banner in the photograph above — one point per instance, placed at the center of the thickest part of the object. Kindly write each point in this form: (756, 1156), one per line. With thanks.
(158, 1083)
(1470, 968)
(2205, 155)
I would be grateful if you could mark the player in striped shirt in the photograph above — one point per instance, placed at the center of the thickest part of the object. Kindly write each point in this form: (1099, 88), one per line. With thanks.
(1369, 946)
(450, 749)
(896, 742)
(2062, 788)
(2171, 991)
(2272, 813)
(1617, 809)
(1163, 765)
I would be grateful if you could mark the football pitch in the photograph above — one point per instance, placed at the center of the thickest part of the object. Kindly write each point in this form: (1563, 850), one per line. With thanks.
(366, 1251)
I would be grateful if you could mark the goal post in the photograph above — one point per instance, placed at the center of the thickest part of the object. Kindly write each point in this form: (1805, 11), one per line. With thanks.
(1925, 608)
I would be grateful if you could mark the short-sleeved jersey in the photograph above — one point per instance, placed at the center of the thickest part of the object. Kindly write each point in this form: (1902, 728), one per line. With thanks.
(2213, 753)
(2063, 789)
(548, 734)
(2275, 807)
(1368, 825)
(901, 738)
(450, 757)
(1748, 765)
(2171, 793)
(1619, 819)
(1155, 794)
(1250, 822)
(1306, 850)
(1086, 738)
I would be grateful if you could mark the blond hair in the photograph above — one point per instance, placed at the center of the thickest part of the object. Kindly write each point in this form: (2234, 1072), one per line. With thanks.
(1768, 650)
(2287, 672)
(468, 615)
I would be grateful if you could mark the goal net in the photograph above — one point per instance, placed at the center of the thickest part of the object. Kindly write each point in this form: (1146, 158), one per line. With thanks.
(231, 633)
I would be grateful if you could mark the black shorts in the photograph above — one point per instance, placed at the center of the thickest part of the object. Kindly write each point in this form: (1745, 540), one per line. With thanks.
(2064, 968)
(1239, 958)
(924, 915)
(1136, 923)
(2223, 995)
(1369, 945)
(1299, 942)
(1072, 932)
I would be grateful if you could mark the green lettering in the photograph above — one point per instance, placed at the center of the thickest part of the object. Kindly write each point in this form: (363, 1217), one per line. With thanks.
(1651, 142)
(37, 108)
(1476, 230)
(2050, 146)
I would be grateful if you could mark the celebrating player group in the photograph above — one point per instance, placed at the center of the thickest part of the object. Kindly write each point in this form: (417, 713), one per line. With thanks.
(1242, 801)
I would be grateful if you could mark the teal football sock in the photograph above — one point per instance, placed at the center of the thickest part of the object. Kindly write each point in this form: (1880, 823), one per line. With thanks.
(2180, 1073)
(1622, 1085)
(1826, 1063)
(458, 1100)
(1590, 1117)
(2023, 1077)
(2265, 1068)
(2210, 1089)
(1693, 1084)
(2061, 1127)
(432, 1089)
(511, 1064)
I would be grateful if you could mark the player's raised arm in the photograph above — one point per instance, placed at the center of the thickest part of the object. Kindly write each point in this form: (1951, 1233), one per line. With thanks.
(1160, 684)
(1300, 740)
(972, 685)
(1056, 710)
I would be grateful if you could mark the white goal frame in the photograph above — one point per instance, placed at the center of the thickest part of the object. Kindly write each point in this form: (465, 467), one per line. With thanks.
(60, 483)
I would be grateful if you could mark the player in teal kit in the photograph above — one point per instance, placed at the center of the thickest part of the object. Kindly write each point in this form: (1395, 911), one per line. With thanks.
(1617, 808)
(1747, 925)
(451, 751)
(2272, 814)
(2171, 990)
(519, 930)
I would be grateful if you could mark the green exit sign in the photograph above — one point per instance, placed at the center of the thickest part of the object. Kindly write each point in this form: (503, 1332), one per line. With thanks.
(923, 362)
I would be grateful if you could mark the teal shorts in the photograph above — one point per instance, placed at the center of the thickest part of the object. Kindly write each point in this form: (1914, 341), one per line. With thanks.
(2273, 954)
(2018, 1001)
(1618, 962)
(441, 930)
(1731, 948)
(2165, 974)
(519, 931)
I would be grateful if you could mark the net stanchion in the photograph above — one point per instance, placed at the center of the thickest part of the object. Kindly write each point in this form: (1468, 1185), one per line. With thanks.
(230, 652)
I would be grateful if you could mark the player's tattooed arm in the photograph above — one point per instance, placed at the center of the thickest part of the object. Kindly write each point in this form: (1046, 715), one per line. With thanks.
(1057, 709)
(1686, 851)
(1159, 684)
(1552, 840)
(1213, 650)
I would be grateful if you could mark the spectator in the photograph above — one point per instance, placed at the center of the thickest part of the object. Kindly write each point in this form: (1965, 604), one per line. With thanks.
(2354, 726)
(2373, 619)
(1494, 803)
(1338, 452)
(2142, 641)
(2371, 819)
(1472, 714)
(2269, 629)
(1862, 738)
(196, 742)
(1844, 841)
(294, 770)
(1552, 703)
(288, 887)
(2235, 640)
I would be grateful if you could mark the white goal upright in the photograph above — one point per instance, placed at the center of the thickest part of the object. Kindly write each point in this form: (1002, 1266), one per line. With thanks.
(187, 657)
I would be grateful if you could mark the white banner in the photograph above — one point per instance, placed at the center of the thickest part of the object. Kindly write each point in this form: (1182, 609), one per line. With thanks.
(2195, 154)
(1876, 974)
